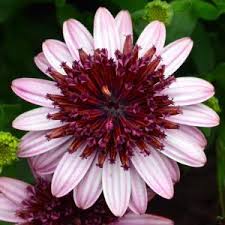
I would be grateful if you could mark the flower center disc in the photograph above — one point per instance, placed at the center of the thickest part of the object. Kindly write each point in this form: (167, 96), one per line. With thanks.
(113, 106)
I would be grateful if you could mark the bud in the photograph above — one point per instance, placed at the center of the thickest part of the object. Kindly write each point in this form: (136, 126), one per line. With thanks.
(214, 104)
(8, 148)
(158, 10)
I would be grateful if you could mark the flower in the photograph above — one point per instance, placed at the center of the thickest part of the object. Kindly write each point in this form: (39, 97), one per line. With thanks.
(26, 204)
(159, 10)
(8, 148)
(117, 106)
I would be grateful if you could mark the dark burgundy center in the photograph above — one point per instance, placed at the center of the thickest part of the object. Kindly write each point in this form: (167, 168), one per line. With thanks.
(114, 105)
(41, 208)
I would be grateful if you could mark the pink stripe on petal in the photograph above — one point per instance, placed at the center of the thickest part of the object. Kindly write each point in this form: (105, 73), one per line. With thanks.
(180, 148)
(116, 184)
(69, 172)
(174, 54)
(153, 35)
(189, 91)
(196, 115)
(124, 25)
(36, 119)
(194, 134)
(76, 37)
(35, 90)
(42, 63)
(146, 219)
(89, 189)
(56, 53)
(36, 142)
(139, 198)
(106, 34)
(14, 190)
(172, 167)
(47, 162)
(154, 172)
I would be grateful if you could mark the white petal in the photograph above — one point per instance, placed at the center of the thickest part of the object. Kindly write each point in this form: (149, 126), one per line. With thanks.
(36, 142)
(196, 115)
(153, 35)
(69, 172)
(180, 148)
(57, 53)
(116, 186)
(172, 167)
(35, 90)
(89, 189)
(174, 54)
(106, 34)
(189, 91)
(76, 37)
(13, 189)
(42, 63)
(47, 162)
(147, 219)
(154, 172)
(194, 134)
(124, 25)
(36, 119)
(139, 198)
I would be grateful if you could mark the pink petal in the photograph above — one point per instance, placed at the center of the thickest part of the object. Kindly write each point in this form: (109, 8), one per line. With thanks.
(153, 35)
(89, 189)
(116, 187)
(189, 91)
(57, 53)
(196, 115)
(151, 194)
(106, 34)
(36, 142)
(146, 219)
(36, 119)
(7, 205)
(124, 25)
(194, 134)
(172, 167)
(76, 37)
(14, 190)
(69, 172)
(42, 63)
(174, 54)
(10, 216)
(154, 172)
(139, 198)
(47, 162)
(35, 90)
(179, 147)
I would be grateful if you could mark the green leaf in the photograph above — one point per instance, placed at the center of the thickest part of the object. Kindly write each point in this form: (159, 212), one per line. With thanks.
(130, 5)
(184, 20)
(203, 62)
(7, 114)
(205, 10)
(67, 11)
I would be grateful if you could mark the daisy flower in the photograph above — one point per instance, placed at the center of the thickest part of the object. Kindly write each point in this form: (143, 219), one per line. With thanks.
(26, 204)
(114, 118)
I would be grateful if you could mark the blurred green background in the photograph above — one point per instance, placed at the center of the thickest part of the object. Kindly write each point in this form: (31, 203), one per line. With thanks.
(25, 24)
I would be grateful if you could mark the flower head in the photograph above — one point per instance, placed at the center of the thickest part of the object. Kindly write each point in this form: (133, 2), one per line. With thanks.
(115, 118)
(158, 10)
(26, 204)
(8, 148)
